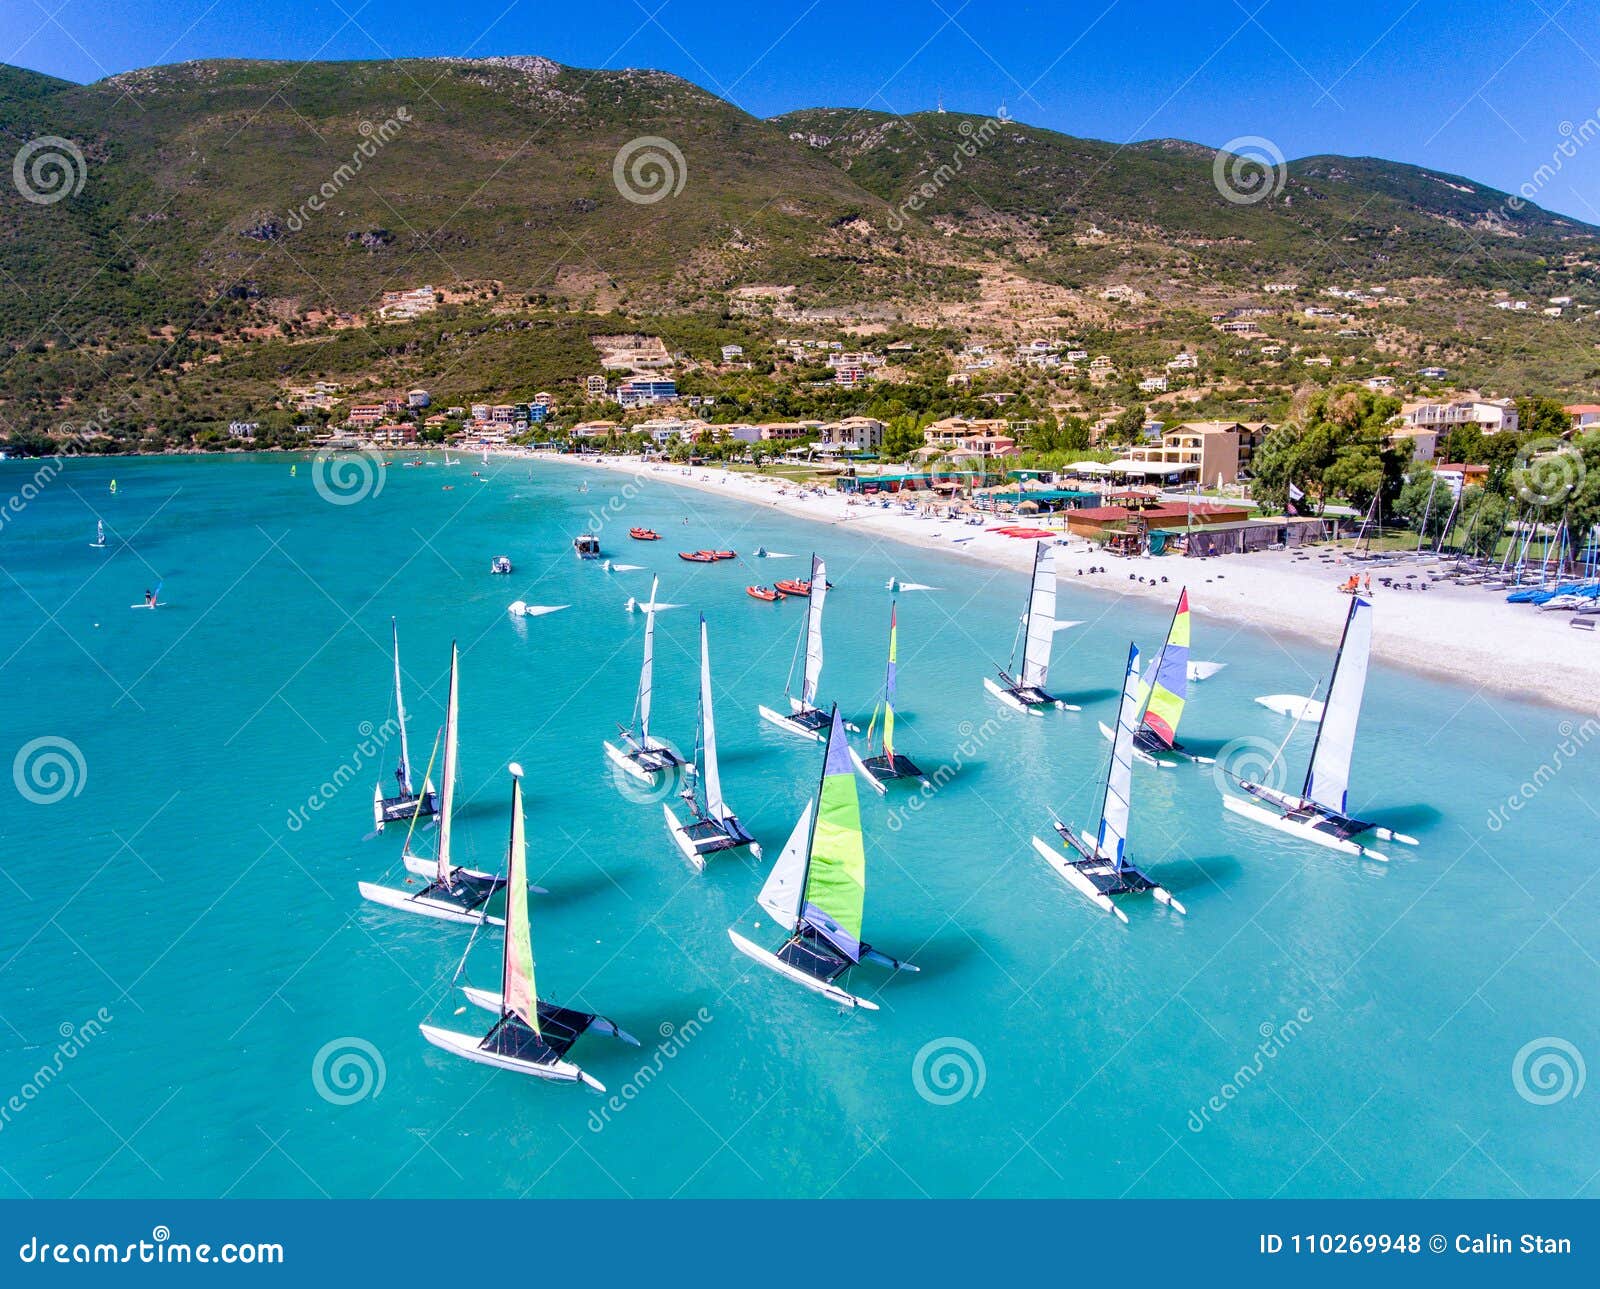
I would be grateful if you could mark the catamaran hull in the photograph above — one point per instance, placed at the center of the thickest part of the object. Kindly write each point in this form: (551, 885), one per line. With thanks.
(470, 1047)
(393, 810)
(490, 1000)
(1293, 706)
(410, 902)
(418, 866)
(1016, 704)
(759, 955)
(685, 843)
(620, 758)
(1296, 828)
(792, 727)
(1059, 860)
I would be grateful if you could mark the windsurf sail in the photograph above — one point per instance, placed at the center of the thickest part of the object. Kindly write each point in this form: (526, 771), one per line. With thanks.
(517, 994)
(1041, 623)
(836, 869)
(448, 791)
(716, 808)
(1112, 842)
(819, 592)
(1328, 776)
(400, 712)
(1166, 688)
(113, 487)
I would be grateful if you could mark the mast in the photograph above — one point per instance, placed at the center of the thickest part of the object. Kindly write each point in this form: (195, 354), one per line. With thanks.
(888, 689)
(1115, 806)
(400, 714)
(517, 994)
(716, 808)
(448, 791)
(819, 591)
(1040, 627)
(1328, 775)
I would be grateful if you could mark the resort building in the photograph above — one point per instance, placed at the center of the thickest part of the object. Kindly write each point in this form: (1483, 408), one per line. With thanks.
(1584, 415)
(788, 431)
(979, 438)
(851, 436)
(365, 415)
(593, 429)
(1491, 415)
(1424, 441)
(595, 386)
(640, 393)
(418, 398)
(1204, 451)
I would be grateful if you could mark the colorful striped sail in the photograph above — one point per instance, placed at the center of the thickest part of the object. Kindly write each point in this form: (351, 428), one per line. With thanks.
(1167, 683)
(836, 874)
(517, 995)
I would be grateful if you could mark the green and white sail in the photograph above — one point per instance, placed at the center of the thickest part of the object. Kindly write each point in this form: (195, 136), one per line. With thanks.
(835, 890)
(447, 795)
(518, 996)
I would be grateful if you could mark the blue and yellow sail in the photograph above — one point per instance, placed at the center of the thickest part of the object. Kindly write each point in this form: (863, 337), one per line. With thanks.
(1167, 684)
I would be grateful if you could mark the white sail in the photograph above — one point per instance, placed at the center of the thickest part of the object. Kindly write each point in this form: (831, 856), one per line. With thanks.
(716, 808)
(1041, 619)
(448, 793)
(1113, 840)
(780, 896)
(400, 714)
(1328, 779)
(646, 672)
(819, 592)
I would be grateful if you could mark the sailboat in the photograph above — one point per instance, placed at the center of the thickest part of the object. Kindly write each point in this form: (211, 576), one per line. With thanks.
(408, 803)
(817, 890)
(805, 718)
(887, 764)
(1026, 693)
(1163, 691)
(641, 755)
(1098, 866)
(99, 541)
(1319, 812)
(530, 1036)
(454, 894)
(714, 827)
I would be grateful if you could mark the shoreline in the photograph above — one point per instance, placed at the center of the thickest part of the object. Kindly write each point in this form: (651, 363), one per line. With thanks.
(1463, 635)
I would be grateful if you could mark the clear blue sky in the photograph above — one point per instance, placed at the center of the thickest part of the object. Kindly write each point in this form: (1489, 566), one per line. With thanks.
(1489, 89)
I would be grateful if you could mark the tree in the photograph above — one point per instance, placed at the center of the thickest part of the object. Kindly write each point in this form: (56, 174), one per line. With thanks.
(1127, 427)
(1542, 417)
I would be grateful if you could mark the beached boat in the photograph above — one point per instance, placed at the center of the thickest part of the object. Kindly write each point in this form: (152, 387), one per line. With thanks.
(452, 894)
(817, 890)
(408, 803)
(1026, 691)
(1163, 691)
(644, 757)
(1320, 811)
(644, 534)
(1098, 867)
(586, 546)
(712, 826)
(887, 765)
(530, 1036)
(804, 717)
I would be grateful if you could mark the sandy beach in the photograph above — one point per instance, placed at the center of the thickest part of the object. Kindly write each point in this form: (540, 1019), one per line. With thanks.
(1464, 634)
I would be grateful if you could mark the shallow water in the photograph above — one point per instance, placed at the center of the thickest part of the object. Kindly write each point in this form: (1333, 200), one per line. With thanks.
(1315, 1026)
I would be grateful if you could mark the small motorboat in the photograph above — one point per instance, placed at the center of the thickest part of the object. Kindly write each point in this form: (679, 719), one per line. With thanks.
(721, 554)
(587, 546)
(763, 593)
(795, 586)
(698, 557)
(500, 564)
(644, 534)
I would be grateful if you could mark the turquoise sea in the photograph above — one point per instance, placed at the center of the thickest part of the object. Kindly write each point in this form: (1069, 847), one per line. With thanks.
(195, 1002)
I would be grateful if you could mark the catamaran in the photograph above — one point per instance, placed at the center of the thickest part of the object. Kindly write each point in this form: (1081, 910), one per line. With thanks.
(531, 1036)
(1036, 631)
(408, 803)
(1099, 867)
(817, 889)
(452, 893)
(805, 718)
(1320, 812)
(640, 755)
(887, 765)
(713, 827)
(1163, 691)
